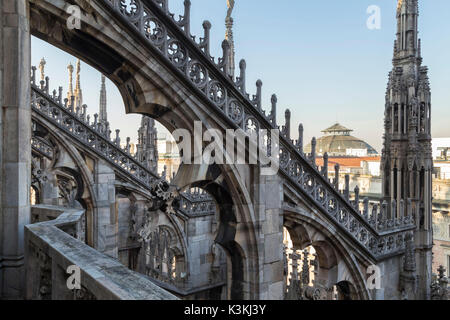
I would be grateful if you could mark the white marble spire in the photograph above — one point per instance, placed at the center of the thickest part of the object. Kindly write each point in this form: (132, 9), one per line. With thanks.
(70, 91)
(42, 69)
(78, 93)
(229, 38)
(103, 115)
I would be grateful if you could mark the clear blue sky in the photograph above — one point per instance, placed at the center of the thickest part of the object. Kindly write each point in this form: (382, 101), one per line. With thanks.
(319, 57)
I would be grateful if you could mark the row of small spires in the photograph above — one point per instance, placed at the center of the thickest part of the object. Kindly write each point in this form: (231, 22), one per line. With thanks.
(184, 23)
(204, 45)
(102, 128)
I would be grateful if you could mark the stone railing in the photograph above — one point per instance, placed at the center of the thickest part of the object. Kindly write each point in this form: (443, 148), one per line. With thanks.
(57, 243)
(42, 147)
(96, 137)
(192, 60)
(197, 203)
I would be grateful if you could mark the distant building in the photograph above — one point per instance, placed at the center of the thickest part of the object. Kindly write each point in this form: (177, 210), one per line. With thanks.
(365, 172)
(337, 141)
(441, 203)
(168, 155)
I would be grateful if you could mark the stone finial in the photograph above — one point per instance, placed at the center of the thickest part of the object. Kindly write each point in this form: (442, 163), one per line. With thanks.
(72, 103)
(336, 176)
(224, 61)
(60, 89)
(108, 130)
(241, 79)
(205, 43)
(127, 147)
(381, 219)
(366, 207)
(287, 126)
(42, 64)
(47, 84)
(273, 112)
(300, 138)
(117, 137)
(347, 187)
(374, 215)
(325, 165)
(103, 112)
(313, 151)
(187, 18)
(393, 209)
(70, 90)
(356, 190)
(258, 94)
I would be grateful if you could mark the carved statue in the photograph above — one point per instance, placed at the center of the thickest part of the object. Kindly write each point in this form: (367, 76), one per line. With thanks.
(42, 68)
(230, 5)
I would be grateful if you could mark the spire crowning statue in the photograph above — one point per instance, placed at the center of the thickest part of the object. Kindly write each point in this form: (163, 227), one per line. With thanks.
(406, 162)
(78, 93)
(230, 5)
(229, 38)
(42, 68)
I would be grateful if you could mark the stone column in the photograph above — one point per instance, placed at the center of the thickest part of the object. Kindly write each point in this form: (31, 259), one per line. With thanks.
(270, 237)
(106, 223)
(15, 150)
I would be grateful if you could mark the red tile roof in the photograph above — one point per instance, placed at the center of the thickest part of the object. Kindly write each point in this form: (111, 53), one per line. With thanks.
(354, 162)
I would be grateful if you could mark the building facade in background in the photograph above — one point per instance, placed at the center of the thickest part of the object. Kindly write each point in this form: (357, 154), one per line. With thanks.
(337, 141)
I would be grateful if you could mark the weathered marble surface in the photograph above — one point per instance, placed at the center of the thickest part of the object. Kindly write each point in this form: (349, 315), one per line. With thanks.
(102, 276)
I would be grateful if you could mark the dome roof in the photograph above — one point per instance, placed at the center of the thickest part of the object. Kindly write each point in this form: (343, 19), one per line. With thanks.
(337, 140)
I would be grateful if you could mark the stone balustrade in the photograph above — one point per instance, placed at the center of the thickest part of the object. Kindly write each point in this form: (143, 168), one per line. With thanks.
(380, 236)
(56, 243)
(97, 139)
(378, 233)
